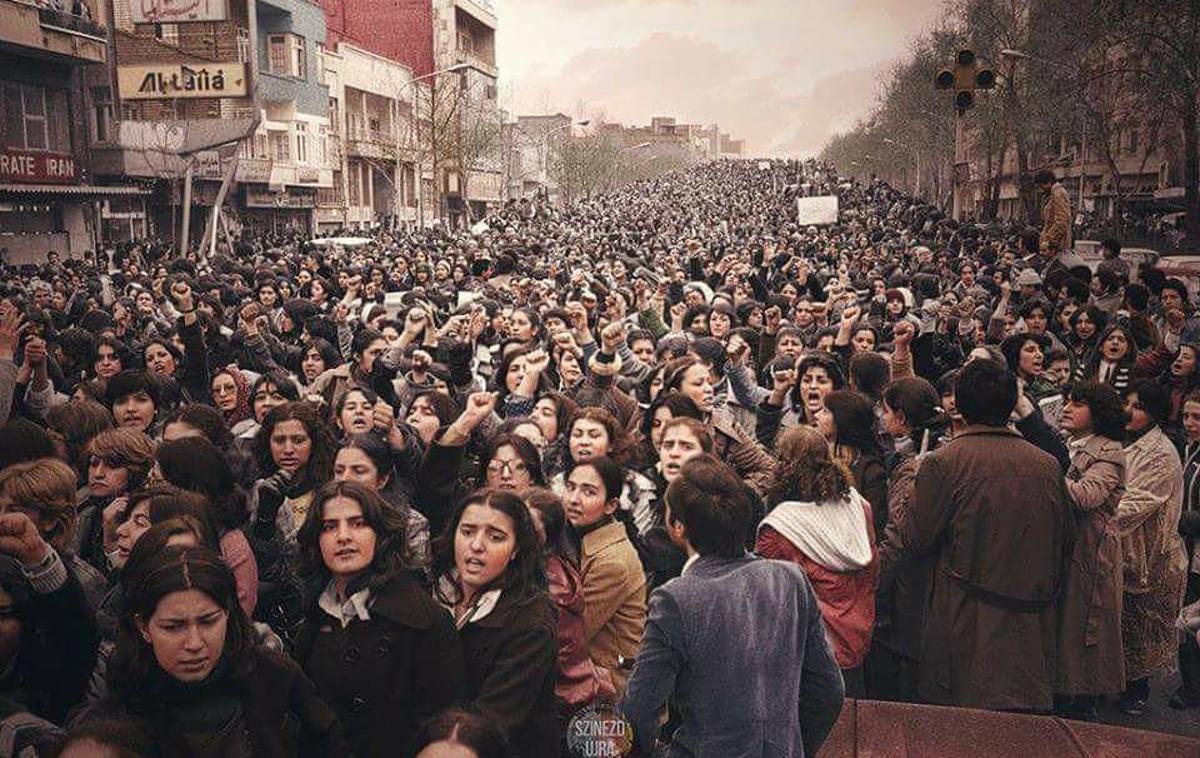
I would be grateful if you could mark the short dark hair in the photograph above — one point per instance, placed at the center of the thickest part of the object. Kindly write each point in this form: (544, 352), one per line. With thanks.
(1077, 289)
(1113, 245)
(1155, 399)
(132, 381)
(363, 340)
(1106, 406)
(1045, 176)
(206, 419)
(854, 419)
(986, 392)
(1137, 296)
(482, 736)
(869, 373)
(714, 505)
(1174, 283)
(22, 440)
(122, 738)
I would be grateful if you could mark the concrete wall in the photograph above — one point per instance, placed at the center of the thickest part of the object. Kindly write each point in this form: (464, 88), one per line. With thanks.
(369, 72)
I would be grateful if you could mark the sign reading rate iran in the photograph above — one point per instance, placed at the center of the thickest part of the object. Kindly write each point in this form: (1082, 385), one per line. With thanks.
(167, 81)
(176, 11)
(37, 167)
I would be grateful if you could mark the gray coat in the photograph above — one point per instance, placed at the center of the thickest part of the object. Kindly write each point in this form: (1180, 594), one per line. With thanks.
(739, 647)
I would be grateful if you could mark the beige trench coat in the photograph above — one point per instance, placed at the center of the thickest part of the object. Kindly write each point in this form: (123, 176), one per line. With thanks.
(1091, 661)
(1155, 563)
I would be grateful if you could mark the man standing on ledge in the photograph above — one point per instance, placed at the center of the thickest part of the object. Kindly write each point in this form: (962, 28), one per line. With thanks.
(996, 511)
(736, 642)
(1055, 239)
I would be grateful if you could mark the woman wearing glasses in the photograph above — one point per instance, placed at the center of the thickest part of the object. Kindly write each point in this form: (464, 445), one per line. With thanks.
(511, 462)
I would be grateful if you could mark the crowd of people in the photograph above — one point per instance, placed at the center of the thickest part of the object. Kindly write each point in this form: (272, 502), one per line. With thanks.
(663, 449)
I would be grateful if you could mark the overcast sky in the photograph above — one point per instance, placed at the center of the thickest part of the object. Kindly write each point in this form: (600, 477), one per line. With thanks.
(784, 74)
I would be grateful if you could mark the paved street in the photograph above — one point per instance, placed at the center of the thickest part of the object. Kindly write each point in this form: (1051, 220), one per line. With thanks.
(1159, 716)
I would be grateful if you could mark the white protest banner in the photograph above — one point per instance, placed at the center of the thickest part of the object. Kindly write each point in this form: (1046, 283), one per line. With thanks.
(816, 211)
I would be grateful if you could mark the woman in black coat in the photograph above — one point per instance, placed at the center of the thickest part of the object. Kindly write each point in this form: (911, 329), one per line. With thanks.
(186, 669)
(380, 650)
(47, 629)
(490, 576)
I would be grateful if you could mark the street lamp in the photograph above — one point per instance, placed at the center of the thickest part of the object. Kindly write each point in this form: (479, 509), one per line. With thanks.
(419, 180)
(544, 148)
(916, 158)
(1021, 55)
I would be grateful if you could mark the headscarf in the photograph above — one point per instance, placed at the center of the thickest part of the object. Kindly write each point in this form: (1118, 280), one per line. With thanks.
(242, 410)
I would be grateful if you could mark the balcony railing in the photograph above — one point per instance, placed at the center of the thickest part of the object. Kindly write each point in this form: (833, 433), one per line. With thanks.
(71, 24)
(366, 134)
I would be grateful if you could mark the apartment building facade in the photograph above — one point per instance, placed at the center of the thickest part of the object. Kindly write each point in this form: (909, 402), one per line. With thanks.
(49, 200)
(233, 90)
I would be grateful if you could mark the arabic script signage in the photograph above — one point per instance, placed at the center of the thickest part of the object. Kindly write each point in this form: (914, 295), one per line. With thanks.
(168, 81)
(176, 11)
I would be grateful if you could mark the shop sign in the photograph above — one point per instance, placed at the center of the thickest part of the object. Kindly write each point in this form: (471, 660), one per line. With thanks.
(37, 167)
(168, 81)
(176, 11)
(260, 199)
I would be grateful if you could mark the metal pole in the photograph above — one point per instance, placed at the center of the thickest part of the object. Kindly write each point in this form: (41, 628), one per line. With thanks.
(959, 148)
(1082, 166)
(187, 205)
(398, 180)
(226, 182)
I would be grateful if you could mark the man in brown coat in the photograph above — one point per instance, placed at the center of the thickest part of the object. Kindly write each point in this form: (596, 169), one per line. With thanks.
(1055, 238)
(995, 510)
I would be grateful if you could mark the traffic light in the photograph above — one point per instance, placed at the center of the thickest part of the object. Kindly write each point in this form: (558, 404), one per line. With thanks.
(966, 77)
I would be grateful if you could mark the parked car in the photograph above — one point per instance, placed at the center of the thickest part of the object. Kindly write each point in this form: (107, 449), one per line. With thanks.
(1136, 257)
(1184, 266)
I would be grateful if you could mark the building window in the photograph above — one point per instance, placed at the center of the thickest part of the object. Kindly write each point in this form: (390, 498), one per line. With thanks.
(34, 118)
(298, 57)
(281, 146)
(302, 143)
(277, 60)
(320, 63)
(334, 121)
(286, 55)
(102, 114)
(168, 33)
(36, 135)
(243, 45)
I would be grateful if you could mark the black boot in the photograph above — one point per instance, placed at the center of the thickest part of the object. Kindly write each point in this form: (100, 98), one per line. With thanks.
(1133, 699)
(1188, 694)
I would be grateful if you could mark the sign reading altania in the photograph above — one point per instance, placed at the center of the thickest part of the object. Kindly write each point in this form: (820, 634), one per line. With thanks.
(29, 167)
(167, 81)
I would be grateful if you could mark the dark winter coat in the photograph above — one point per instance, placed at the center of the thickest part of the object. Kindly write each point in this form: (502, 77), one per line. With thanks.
(511, 657)
(281, 714)
(385, 676)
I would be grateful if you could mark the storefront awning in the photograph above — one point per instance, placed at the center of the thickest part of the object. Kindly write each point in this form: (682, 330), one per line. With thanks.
(77, 190)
